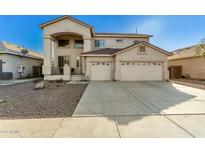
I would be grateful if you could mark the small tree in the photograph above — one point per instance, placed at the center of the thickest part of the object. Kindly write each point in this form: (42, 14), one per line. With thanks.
(24, 51)
(200, 50)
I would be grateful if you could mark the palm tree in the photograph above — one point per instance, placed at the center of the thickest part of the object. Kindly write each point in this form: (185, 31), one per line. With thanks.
(24, 51)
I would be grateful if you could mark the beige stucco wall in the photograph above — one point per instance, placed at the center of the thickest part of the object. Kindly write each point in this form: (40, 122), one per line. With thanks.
(195, 67)
(110, 42)
(134, 55)
(66, 26)
(13, 61)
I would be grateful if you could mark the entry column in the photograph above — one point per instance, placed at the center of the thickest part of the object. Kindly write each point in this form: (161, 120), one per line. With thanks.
(48, 46)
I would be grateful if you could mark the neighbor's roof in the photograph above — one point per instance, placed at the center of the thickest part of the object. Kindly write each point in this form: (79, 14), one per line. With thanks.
(186, 52)
(92, 28)
(113, 51)
(9, 48)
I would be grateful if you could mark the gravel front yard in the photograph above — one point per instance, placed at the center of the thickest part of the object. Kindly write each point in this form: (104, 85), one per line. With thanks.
(56, 100)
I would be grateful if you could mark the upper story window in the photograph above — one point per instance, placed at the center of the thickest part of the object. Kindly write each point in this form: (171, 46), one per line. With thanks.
(78, 43)
(63, 43)
(119, 41)
(142, 49)
(99, 43)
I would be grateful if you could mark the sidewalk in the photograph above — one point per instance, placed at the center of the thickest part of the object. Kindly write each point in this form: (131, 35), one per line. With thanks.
(16, 81)
(157, 126)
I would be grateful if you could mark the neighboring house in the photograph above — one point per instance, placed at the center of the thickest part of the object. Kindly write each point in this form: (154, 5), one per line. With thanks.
(100, 56)
(193, 65)
(11, 58)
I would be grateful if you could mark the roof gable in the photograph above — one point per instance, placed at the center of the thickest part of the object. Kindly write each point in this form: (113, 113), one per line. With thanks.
(144, 43)
(63, 18)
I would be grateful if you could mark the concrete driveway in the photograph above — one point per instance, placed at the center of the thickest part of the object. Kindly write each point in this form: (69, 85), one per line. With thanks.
(146, 109)
(123, 109)
(139, 98)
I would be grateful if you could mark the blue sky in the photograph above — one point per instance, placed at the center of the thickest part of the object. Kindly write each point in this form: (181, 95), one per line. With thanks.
(169, 32)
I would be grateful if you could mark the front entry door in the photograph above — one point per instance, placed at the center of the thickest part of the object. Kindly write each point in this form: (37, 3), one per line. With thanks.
(62, 60)
(77, 69)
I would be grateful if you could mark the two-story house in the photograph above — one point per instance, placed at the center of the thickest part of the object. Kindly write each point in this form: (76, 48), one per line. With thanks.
(72, 47)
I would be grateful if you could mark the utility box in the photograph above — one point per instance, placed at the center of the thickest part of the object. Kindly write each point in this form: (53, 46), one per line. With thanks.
(20, 68)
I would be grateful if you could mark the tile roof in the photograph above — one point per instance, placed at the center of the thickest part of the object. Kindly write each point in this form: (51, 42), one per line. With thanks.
(124, 34)
(186, 52)
(111, 51)
(107, 51)
(10, 48)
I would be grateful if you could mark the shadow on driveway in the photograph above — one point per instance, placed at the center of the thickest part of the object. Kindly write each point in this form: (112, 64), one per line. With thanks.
(138, 100)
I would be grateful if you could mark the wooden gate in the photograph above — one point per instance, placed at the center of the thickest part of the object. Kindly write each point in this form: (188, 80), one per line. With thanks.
(175, 72)
(37, 71)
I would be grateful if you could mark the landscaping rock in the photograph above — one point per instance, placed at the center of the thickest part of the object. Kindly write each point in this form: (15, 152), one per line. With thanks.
(40, 85)
(22, 101)
(2, 101)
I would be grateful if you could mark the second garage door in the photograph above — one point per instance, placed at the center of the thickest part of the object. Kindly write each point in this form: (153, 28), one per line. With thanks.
(101, 71)
(141, 71)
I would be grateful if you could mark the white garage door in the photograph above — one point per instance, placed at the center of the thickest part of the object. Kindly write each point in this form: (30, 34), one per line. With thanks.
(141, 71)
(101, 71)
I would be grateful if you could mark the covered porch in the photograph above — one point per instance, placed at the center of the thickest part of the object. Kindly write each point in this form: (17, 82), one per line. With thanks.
(62, 55)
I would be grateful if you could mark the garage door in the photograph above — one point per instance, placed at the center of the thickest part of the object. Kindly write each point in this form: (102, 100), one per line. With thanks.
(101, 71)
(141, 71)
